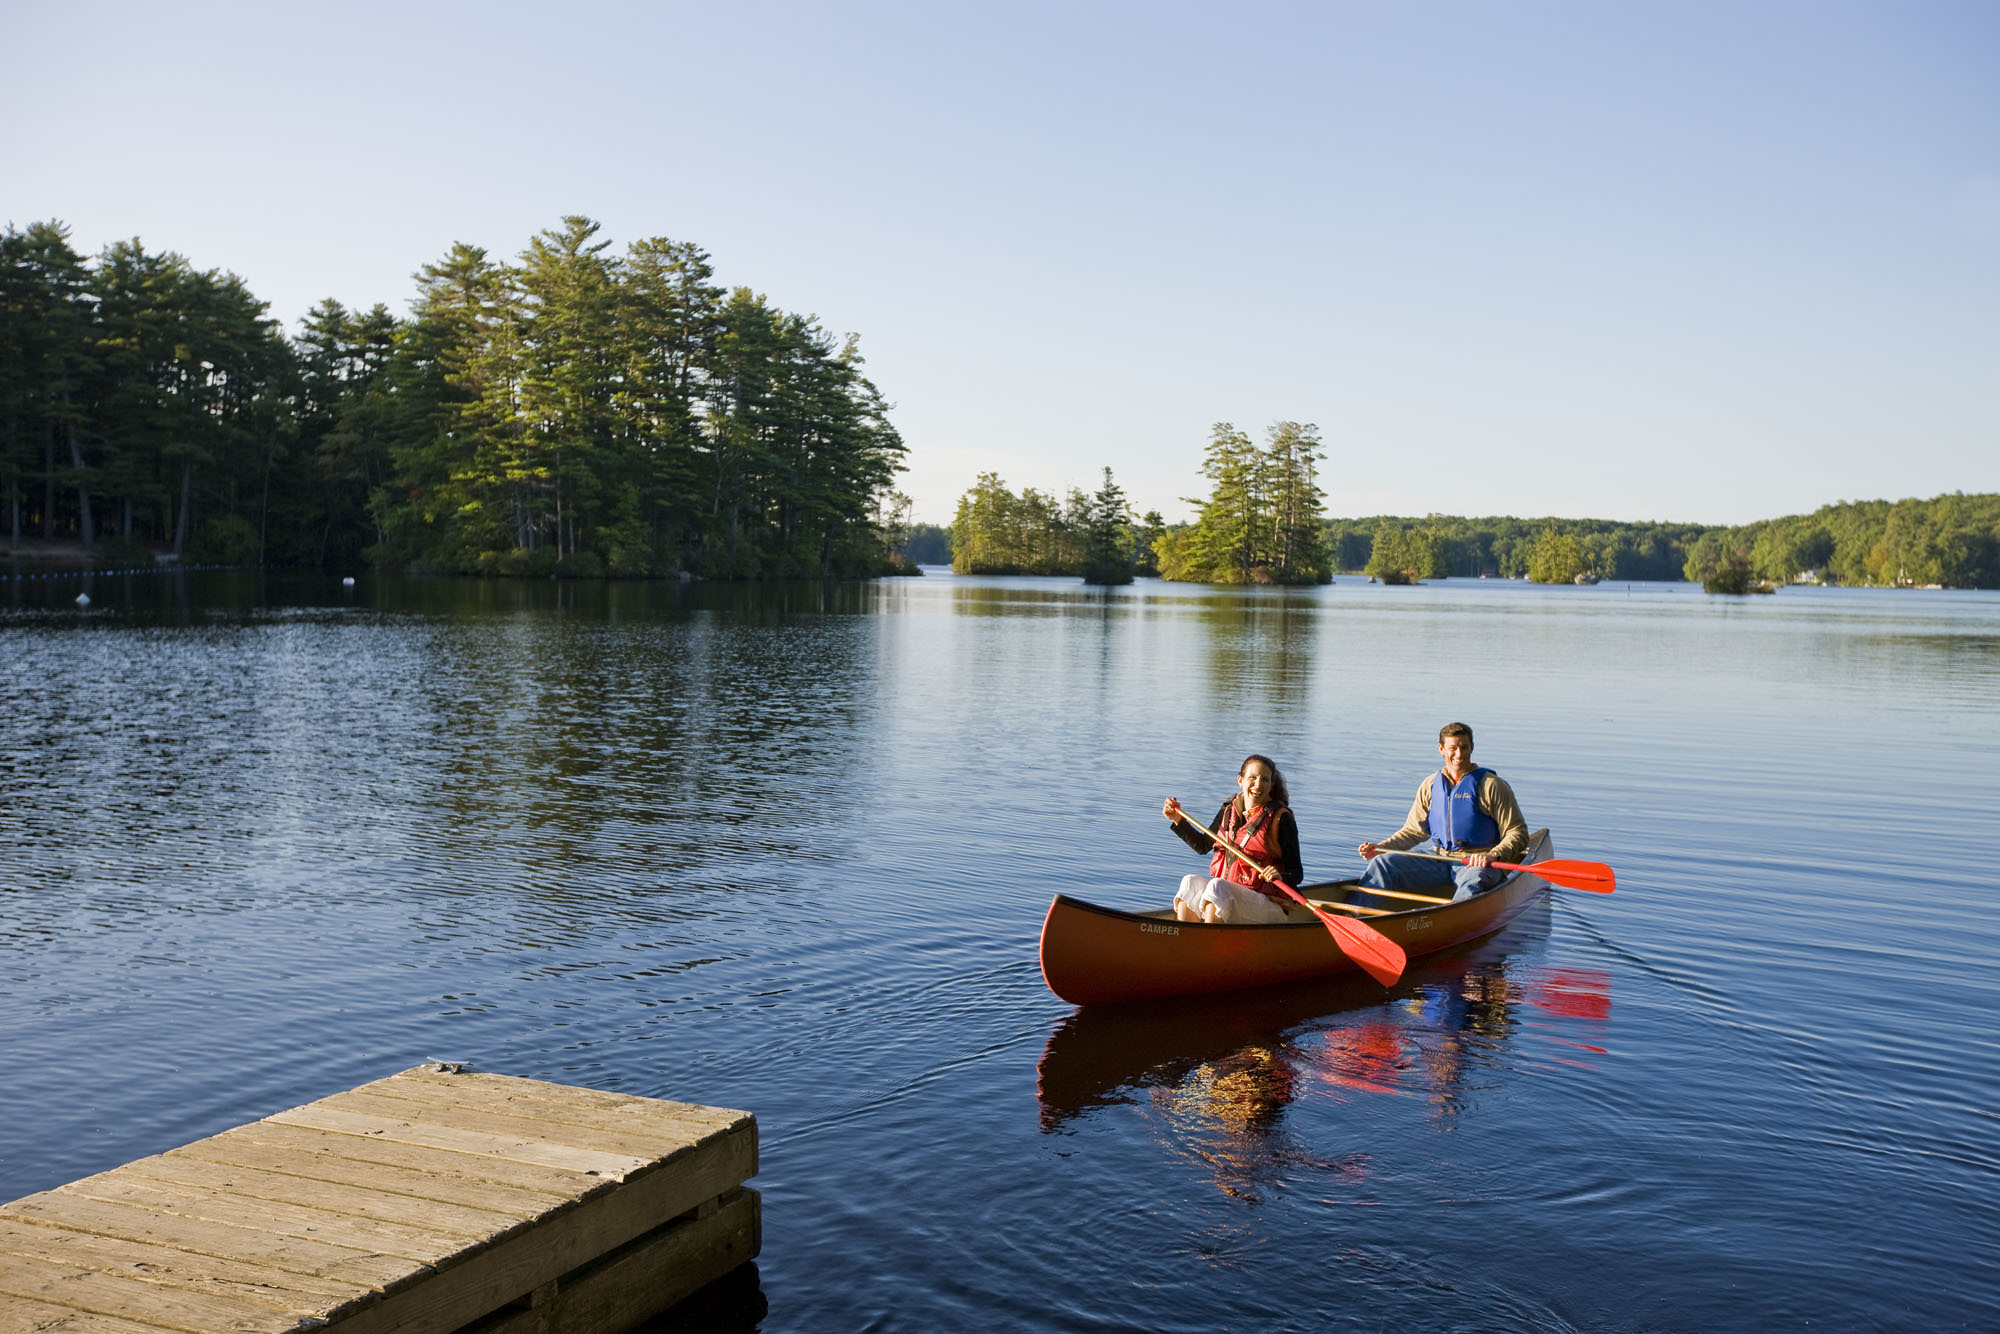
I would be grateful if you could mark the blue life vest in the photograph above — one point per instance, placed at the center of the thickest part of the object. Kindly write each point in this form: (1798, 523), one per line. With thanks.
(1456, 820)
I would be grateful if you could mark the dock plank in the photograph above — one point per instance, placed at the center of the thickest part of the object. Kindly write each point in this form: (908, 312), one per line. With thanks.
(344, 1152)
(436, 1180)
(612, 1110)
(24, 1315)
(355, 1201)
(23, 1277)
(421, 1245)
(365, 1268)
(514, 1148)
(167, 1265)
(637, 1143)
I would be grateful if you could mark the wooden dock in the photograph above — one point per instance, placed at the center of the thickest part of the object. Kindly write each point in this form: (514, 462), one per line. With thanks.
(430, 1202)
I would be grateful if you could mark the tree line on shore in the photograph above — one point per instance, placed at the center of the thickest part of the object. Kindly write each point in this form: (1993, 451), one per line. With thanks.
(1948, 541)
(569, 412)
(1271, 530)
(1543, 550)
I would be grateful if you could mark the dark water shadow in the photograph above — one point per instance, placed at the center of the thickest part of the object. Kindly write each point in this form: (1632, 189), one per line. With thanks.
(733, 1304)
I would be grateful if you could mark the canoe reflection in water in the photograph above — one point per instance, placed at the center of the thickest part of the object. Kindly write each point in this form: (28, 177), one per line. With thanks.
(1223, 1070)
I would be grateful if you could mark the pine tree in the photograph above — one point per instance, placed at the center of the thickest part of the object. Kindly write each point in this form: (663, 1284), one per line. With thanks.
(1108, 550)
(1224, 545)
(1299, 541)
(467, 481)
(575, 495)
(671, 323)
(46, 357)
(346, 422)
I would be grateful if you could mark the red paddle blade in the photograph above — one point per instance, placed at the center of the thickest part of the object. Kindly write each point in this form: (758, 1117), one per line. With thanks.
(1377, 955)
(1593, 876)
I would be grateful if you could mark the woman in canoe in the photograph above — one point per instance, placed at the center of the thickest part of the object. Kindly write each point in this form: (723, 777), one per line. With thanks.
(1258, 820)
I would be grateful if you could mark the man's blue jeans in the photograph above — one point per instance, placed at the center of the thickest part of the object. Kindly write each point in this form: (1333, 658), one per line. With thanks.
(1396, 870)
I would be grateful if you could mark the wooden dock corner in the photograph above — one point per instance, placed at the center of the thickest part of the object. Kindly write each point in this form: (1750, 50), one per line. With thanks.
(436, 1201)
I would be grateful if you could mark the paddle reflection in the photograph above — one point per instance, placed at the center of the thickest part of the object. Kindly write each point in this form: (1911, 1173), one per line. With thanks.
(1223, 1071)
(1574, 1004)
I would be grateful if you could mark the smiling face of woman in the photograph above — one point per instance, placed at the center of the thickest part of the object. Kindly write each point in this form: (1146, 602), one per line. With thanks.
(1255, 784)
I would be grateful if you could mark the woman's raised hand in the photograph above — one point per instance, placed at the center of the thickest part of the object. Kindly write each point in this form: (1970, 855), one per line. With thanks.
(1172, 810)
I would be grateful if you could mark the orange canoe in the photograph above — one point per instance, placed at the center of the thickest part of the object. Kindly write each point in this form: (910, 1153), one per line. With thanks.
(1101, 956)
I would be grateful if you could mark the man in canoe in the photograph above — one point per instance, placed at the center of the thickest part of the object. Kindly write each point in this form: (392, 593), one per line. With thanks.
(1258, 820)
(1467, 812)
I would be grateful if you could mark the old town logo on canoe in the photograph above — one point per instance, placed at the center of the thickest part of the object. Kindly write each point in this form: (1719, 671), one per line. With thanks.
(1160, 928)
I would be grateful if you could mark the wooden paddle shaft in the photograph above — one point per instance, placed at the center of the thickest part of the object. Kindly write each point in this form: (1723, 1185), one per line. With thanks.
(1455, 858)
(1399, 894)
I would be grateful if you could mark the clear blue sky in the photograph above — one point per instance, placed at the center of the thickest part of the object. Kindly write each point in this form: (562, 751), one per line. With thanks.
(1690, 261)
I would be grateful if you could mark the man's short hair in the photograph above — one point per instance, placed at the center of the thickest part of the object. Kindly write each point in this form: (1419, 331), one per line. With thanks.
(1455, 729)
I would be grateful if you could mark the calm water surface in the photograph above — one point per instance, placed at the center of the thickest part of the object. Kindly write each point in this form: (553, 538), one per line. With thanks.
(789, 849)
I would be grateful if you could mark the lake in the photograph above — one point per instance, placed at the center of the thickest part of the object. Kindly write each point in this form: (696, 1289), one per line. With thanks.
(788, 849)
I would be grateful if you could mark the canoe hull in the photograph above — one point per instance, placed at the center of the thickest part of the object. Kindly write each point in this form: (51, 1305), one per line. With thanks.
(1093, 955)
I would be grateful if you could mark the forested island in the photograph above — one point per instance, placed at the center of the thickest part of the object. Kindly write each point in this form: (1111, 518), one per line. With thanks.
(1262, 522)
(572, 412)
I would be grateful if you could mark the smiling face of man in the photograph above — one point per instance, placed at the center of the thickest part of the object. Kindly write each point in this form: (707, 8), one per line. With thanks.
(1457, 753)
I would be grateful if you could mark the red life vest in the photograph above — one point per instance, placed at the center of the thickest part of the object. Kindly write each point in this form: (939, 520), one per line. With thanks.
(1258, 837)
